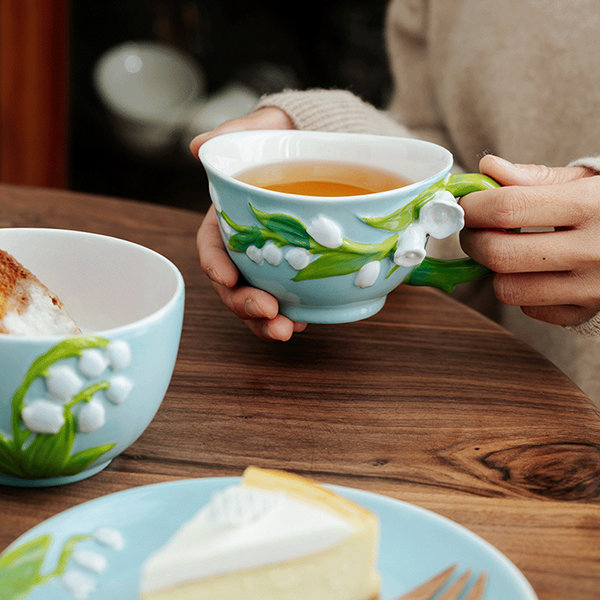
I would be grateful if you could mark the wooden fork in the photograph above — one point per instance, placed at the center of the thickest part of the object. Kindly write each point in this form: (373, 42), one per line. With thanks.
(427, 590)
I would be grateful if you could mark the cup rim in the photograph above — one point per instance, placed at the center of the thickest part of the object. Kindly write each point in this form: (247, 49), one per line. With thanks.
(114, 331)
(208, 164)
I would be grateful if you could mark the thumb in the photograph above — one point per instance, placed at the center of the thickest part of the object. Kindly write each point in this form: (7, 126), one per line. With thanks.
(507, 173)
(267, 117)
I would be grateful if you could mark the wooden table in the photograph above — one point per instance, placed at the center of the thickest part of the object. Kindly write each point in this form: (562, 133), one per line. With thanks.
(443, 409)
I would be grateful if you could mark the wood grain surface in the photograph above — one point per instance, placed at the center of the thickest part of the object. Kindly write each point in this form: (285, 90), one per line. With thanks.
(427, 401)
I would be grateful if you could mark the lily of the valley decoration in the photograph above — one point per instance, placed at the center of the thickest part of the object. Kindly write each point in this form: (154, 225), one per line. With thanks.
(319, 250)
(23, 568)
(44, 429)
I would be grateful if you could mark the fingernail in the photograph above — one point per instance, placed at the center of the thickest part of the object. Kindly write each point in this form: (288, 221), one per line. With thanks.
(214, 276)
(252, 309)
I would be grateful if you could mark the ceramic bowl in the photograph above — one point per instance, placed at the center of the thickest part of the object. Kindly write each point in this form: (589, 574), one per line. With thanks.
(335, 259)
(68, 406)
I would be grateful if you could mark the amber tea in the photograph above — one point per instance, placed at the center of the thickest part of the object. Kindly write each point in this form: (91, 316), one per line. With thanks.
(322, 178)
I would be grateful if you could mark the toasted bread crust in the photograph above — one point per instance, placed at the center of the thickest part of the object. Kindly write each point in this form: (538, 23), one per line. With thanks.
(16, 282)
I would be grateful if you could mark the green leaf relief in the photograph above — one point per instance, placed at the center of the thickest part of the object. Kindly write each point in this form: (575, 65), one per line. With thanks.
(9, 459)
(331, 264)
(461, 184)
(49, 454)
(279, 228)
(21, 567)
(403, 217)
(446, 274)
(350, 257)
(240, 242)
(82, 460)
(289, 228)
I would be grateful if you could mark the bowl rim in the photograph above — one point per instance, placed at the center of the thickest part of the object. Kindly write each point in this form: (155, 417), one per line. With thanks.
(121, 330)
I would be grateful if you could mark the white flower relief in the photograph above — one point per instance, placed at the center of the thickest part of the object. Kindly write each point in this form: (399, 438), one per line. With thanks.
(119, 354)
(107, 536)
(272, 253)
(79, 584)
(368, 274)
(92, 416)
(119, 389)
(63, 383)
(442, 215)
(255, 254)
(410, 250)
(92, 362)
(325, 232)
(298, 258)
(88, 559)
(43, 416)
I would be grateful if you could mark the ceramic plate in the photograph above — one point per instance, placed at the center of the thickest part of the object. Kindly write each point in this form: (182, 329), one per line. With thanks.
(102, 543)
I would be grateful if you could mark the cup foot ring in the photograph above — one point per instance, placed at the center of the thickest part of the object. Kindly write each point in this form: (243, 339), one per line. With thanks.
(344, 313)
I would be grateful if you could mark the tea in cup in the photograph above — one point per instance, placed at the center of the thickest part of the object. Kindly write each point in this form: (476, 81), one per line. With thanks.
(330, 223)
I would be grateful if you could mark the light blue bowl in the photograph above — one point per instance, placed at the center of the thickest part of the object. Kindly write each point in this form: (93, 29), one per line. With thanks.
(69, 406)
(335, 259)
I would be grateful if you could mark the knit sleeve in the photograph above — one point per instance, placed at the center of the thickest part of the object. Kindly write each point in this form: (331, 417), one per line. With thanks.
(590, 327)
(591, 162)
(333, 110)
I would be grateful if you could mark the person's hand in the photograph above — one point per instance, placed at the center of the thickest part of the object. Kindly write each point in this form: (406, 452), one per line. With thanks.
(258, 309)
(269, 117)
(554, 275)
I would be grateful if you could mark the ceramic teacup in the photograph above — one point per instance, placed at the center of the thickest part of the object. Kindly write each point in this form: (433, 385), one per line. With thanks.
(335, 259)
(68, 406)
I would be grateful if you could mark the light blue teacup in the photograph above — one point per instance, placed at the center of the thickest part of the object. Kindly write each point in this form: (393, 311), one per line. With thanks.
(68, 406)
(335, 259)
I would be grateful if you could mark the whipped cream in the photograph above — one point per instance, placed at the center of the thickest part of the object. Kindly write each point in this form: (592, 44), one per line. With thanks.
(242, 528)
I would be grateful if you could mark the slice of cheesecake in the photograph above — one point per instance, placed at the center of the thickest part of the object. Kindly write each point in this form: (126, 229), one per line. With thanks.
(28, 307)
(275, 536)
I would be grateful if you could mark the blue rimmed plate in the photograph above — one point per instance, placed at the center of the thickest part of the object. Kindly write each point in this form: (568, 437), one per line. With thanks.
(97, 548)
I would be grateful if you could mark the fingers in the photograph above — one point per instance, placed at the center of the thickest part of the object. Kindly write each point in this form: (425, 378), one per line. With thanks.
(562, 205)
(508, 173)
(545, 289)
(553, 276)
(565, 315)
(268, 117)
(258, 309)
(508, 252)
(279, 329)
(214, 260)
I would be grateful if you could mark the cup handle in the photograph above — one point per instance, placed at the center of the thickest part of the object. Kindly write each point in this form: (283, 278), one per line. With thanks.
(447, 273)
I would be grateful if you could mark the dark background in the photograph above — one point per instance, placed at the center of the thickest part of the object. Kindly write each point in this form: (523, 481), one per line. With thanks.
(335, 44)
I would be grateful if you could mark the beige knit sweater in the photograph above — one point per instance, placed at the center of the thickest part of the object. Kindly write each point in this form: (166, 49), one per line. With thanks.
(516, 78)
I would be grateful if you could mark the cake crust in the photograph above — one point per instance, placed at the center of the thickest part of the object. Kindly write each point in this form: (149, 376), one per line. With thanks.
(27, 306)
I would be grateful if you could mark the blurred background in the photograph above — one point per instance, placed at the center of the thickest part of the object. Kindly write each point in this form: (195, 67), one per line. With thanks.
(103, 96)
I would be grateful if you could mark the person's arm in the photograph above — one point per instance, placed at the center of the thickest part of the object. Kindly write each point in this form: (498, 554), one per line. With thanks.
(553, 276)
(333, 110)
